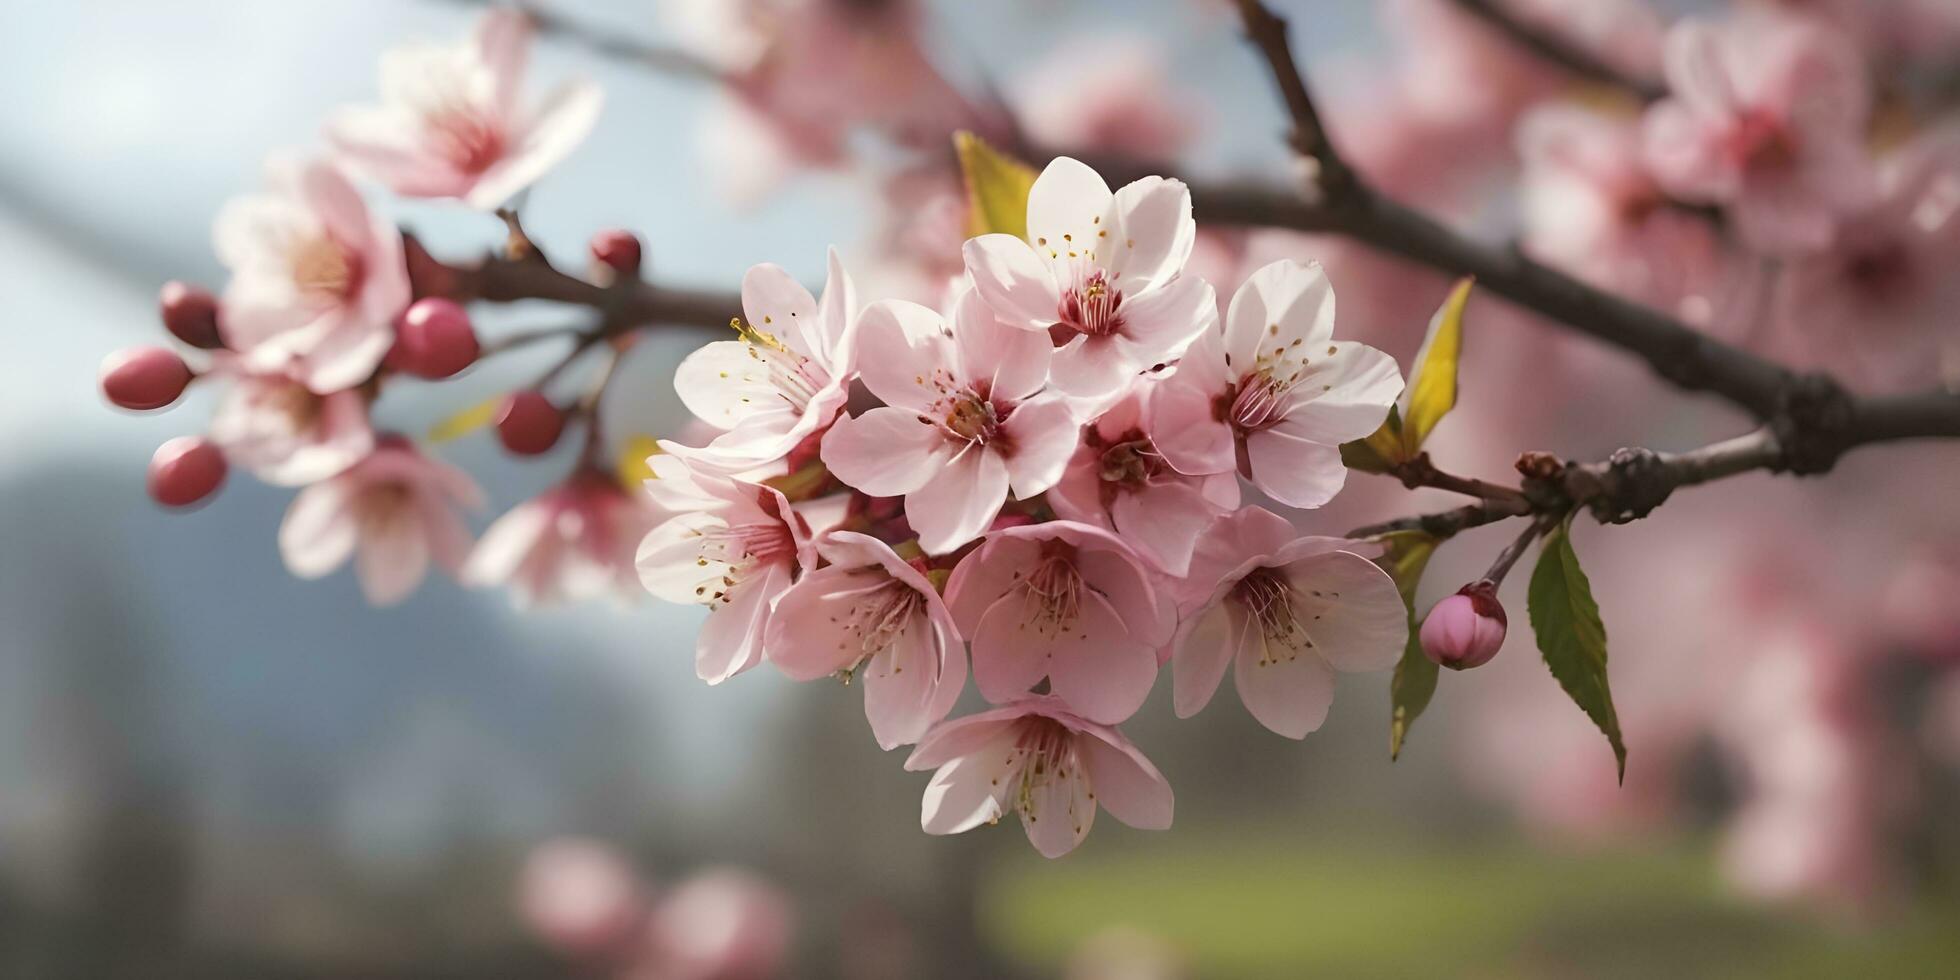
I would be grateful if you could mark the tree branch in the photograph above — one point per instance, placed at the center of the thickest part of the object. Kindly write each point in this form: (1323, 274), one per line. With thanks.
(1560, 50)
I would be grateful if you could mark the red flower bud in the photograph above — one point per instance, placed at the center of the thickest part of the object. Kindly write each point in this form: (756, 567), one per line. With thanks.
(618, 250)
(144, 378)
(190, 313)
(529, 424)
(1466, 629)
(434, 340)
(185, 470)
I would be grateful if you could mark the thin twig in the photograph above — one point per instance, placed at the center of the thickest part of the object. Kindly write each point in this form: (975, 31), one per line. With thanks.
(1559, 50)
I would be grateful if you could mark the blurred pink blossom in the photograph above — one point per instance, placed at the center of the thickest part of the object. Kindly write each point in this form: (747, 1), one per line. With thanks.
(283, 432)
(316, 280)
(581, 896)
(393, 512)
(573, 542)
(719, 924)
(1107, 94)
(1767, 118)
(452, 123)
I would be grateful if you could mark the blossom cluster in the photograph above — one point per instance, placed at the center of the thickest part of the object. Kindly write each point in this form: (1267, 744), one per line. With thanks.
(325, 308)
(1038, 484)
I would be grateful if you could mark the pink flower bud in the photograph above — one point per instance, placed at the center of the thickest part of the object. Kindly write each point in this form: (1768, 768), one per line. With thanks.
(434, 339)
(529, 424)
(1466, 629)
(144, 378)
(185, 470)
(191, 314)
(618, 250)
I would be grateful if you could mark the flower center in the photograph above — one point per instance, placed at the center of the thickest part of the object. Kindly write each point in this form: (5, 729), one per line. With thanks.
(1879, 272)
(795, 377)
(1045, 751)
(1093, 308)
(1053, 597)
(1130, 463)
(973, 418)
(1260, 401)
(324, 268)
(1764, 144)
(383, 509)
(729, 554)
(1268, 596)
(880, 615)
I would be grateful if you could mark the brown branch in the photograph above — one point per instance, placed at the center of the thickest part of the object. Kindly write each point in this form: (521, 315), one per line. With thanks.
(1559, 50)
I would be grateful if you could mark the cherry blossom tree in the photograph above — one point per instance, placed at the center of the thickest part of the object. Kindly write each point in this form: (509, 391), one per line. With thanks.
(1068, 442)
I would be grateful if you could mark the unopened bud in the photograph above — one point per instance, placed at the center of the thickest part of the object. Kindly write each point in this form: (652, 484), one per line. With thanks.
(190, 313)
(434, 339)
(1466, 629)
(185, 470)
(618, 250)
(528, 423)
(144, 378)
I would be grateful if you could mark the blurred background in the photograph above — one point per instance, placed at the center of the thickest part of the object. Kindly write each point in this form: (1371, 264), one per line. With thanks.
(209, 768)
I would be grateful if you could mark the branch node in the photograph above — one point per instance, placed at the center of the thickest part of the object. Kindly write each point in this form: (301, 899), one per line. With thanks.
(1813, 424)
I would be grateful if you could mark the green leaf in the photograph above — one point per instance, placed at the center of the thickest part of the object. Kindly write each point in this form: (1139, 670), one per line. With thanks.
(1432, 386)
(466, 421)
(1415, 676)
(1381, 452)
(997, 188)
(1571, 635)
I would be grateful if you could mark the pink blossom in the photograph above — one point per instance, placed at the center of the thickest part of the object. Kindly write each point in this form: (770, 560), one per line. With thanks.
(1288, 612)
(452, 122)
(871, 614)
(1590, 207)
(1274, 395)
(316, 280)
(784, 381)
(581, 895)
(1037, 757)
(733, 546)
(719, 924)
(1100, 272)
(1068, 602)
(1108, 93)
(283, 432)
(1120, 482)
(1767, 117)
(961, 423)
(573, 542)
(392, 512)
(1918, 29)
(1877, 305)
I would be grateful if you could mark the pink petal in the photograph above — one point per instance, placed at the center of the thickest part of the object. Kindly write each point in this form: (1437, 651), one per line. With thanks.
(503, 44)
(806, 639)
(964, 736)
(900, 688)
(837, 315)
(1125, 782)
(1342, 396)
(1288, 692)
(1044, 434)
(505, 545)
(1012, 361)
(1060, 810)
(1066, 208)
(984, 575)
(1164, 521)
(1152, 233)
(1013, 280)
(1350, 609)
(1095, 367)
(1160, 323)
(887, 452)
(958, 502)
(1204, 647)
(731, 641)
(912, 350)
(1293, 471)
(969, 791)
(1100, 668)
(558, 126)
(319, 531)
(1010, 654)
(1179, 418)
(392, 561)
(778, 305)
(1280, 303)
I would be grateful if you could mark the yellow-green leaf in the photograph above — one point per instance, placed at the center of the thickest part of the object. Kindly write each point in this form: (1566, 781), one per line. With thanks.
(466, 421)
(1381, 452)
(1571, 635)
(1432, 386)
(631, 466)
(1414, 683)
(997, 187)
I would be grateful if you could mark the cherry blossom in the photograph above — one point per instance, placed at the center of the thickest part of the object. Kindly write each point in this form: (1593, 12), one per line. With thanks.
(1099, 272)
(1065, 601)
(1118, 481)
(575, 541)
(1274, 395)
(452, 122)
(283, 432)
(316, 280)
(964, 419)
(733, 546)
(1285, 612)
(1037, 758)
(871, 614)
(783, 381)
(393, 512)
(1767, 117)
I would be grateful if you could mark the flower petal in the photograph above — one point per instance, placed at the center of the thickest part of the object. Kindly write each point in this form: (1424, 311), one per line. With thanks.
(1288, 691)
(1350, 609)
(958, 502)
(1125, 783)
(1293, 471)
(1204, 647)
(887, 451)
(1013, 280)
(1152, 233)
(1099, 667)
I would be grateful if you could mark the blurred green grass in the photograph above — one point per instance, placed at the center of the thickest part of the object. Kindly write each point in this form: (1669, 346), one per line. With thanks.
(1272, 904)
